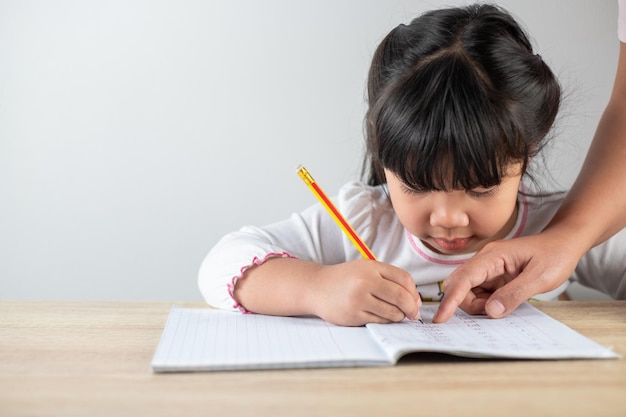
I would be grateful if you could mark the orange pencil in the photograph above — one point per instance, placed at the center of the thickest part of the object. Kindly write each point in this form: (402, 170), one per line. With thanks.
(330, 207)
(341, 221)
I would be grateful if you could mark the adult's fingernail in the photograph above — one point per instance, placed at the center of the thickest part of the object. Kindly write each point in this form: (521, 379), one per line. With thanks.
(495, 308)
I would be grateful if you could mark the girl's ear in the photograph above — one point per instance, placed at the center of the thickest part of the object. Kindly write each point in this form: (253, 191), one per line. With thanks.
(518, 168)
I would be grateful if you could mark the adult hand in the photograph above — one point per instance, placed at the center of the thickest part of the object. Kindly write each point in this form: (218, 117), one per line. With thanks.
(506, 273)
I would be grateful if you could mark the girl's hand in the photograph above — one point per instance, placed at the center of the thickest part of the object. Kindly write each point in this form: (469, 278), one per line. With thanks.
(364, 291)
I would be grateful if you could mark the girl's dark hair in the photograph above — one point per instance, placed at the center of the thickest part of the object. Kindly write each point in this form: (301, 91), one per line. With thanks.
(456, 97)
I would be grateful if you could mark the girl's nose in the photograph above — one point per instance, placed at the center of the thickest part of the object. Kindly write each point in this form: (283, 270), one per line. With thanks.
(448, 215)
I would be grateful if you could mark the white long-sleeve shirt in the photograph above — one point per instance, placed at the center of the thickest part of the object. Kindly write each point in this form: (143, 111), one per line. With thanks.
(313, 235)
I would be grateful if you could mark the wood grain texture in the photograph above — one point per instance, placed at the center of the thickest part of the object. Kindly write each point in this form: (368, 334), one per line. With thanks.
(93, 358)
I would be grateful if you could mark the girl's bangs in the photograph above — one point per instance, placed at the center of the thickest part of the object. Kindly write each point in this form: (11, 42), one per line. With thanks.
(441, 129)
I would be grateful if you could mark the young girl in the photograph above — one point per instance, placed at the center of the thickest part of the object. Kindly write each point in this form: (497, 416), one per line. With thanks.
(458, 106)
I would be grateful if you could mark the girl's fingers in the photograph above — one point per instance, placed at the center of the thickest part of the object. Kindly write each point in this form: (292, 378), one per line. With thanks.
(399, 277)
(393, 302)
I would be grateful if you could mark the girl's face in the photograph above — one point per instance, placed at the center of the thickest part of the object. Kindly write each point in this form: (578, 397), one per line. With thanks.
(458, 221)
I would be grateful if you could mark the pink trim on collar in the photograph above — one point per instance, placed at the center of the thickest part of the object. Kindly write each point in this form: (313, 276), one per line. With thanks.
(255, 261)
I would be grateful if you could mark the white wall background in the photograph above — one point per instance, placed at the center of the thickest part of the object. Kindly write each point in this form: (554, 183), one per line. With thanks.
(135, 133)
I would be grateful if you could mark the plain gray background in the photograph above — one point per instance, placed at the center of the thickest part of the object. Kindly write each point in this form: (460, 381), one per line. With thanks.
(135, 133)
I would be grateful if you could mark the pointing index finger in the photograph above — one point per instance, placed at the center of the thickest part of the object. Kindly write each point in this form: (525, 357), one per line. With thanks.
(458, 286)
(454, 294)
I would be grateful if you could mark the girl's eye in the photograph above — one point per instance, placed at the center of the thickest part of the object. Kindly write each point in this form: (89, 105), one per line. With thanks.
(408, 190)
(482, 192)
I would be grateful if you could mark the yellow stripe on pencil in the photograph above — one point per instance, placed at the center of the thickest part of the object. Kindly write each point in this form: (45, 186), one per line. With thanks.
(336, 215)
(341, 221)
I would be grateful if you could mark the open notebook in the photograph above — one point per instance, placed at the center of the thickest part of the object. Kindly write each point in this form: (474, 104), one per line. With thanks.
(213, 340)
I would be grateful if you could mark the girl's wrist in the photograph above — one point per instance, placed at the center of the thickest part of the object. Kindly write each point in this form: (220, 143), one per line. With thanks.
(312, 295)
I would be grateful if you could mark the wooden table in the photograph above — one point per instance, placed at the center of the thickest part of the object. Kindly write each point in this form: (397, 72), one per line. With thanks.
(93, 358)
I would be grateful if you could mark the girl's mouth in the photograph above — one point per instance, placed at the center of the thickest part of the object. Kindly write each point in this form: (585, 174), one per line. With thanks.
(452, 244)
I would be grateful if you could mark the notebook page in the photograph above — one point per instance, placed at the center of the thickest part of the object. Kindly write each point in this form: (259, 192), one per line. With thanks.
(526, 333)
(206, 339)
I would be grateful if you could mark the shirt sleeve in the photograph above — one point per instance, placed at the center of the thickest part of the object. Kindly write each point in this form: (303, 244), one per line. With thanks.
(311, 235)
(603, 267)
